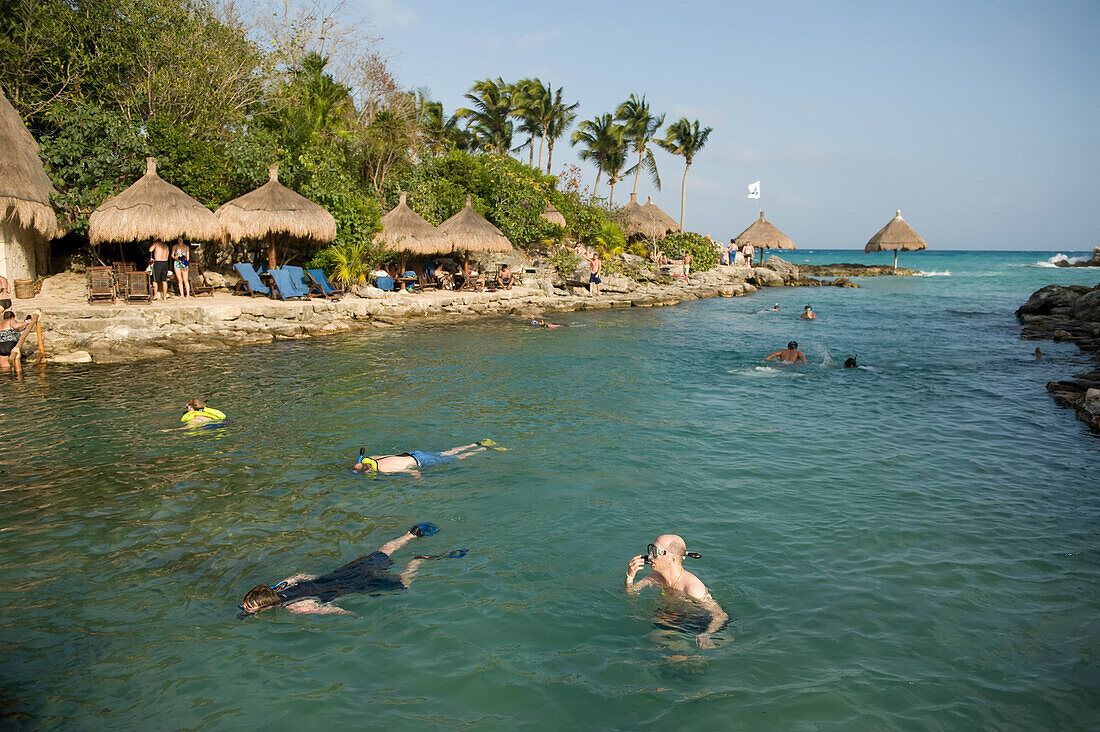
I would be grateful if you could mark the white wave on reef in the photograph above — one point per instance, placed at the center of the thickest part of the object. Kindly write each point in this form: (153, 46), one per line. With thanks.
(934, 273)
(765, 372)
(1053, 261)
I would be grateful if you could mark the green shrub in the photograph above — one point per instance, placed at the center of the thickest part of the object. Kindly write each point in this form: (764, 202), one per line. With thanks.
(702, 251)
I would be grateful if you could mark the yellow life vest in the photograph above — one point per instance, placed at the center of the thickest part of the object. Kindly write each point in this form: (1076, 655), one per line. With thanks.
(207, 412)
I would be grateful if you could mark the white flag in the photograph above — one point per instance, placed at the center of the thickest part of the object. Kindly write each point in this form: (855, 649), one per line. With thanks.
(754, 190)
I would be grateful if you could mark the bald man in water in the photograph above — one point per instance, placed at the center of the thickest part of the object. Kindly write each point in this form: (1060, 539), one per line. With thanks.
(666, 556)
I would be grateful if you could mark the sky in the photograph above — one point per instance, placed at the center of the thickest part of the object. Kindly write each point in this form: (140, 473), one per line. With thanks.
(979, 120)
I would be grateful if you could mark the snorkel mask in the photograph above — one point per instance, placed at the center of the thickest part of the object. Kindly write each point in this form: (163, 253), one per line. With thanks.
(653, 551)
(364, 464)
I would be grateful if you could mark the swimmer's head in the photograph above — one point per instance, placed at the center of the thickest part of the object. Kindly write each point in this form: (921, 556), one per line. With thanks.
(366, 465)
(668, 548)
(196, 405)
(792, 345)
(9, 315)
(258, 599)
(850, 362)
(807, 308)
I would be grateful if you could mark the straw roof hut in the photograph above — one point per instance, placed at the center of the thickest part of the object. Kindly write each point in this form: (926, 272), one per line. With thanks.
(896, 235)
(553, 215)
(763, 235)
(273, 210)
(403, 230)
(469, 231)
(27, 220)
(663, 220)
(638, 221)
(152, 208)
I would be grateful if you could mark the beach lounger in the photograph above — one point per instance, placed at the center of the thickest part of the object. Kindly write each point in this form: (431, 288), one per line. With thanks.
(384, 283)
(138, 287)
(285, 287)
(297, 276)
(101, 284)
(197, 279)
(320, 284)
(250, 283)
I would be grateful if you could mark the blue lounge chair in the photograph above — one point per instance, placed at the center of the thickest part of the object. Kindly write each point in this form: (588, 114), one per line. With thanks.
(297, 276)
(384, 283)
(320, 284)
(285, 286)
(250, 283)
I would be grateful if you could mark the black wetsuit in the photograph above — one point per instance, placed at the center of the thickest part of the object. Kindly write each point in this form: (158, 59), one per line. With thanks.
(364, 576)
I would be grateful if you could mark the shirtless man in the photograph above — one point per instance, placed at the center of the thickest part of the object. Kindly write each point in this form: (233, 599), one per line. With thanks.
(687, 264)
(305, 593)
(790, 354)
(808, 313)
(666, 556)
(408, 462)
(161, 264)
(594, 268)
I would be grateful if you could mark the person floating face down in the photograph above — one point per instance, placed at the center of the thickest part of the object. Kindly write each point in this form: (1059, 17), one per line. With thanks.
(410, 462)
(666, 556)
(790, 354)
(367, 575)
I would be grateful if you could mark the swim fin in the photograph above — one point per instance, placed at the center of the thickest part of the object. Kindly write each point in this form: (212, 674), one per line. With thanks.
(492, 445)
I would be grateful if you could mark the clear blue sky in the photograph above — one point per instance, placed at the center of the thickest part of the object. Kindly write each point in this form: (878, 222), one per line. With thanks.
(979, 120)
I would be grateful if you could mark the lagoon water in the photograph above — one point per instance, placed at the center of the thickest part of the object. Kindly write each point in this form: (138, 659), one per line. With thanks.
(914, 547)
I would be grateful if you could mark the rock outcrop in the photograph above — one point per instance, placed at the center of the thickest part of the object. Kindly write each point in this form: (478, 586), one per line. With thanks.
(1093, 262)
(1069, 314)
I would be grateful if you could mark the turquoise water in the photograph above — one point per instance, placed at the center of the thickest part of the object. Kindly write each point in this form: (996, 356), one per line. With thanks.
(911, 548)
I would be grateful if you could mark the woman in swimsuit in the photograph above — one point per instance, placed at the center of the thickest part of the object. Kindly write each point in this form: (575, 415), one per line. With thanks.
(181, 254)
(9, 336)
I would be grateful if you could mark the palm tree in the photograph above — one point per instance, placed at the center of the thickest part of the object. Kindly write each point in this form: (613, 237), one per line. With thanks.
(437, 131)
(641, 129)
(597, 136)
(322, 106)
(615, 160)
(561, 119)
(528, 101)
(685, 138)
(488, 118)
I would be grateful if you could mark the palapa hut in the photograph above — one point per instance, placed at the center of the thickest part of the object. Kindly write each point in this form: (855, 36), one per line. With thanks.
(273, 211)
(663, 220)
(763, 235)
(469, 231)
(27, 220)
(639, 222)
(897, 234)
(152, 208)
(403, 230)
(553, 215)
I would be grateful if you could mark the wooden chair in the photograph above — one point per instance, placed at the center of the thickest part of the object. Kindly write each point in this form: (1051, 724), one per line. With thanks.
(138, 287)
(197, 279)
(101, 284)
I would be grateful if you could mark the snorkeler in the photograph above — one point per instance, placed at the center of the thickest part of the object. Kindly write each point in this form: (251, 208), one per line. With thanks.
(773, 309)
(198, 413)
(808, 313)
(367, 575)
(666, 556)
(790, 354)
(540, 323)
(850, 363)
(408, 462)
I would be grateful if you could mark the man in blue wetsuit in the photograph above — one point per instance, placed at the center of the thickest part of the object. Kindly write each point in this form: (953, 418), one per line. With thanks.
(367, 575)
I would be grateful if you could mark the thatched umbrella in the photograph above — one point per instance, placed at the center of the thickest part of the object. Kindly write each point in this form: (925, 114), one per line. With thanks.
(669, 224)
(152, 208)
(469, 231)
(553, 215)
(274, 210)
(763, 235)
(403, 230)
(897, 234)
(27, 220)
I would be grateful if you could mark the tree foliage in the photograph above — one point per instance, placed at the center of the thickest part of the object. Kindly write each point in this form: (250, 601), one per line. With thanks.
(702, 251)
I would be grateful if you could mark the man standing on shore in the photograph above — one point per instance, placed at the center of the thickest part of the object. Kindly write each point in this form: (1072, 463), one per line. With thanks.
(595, 267)
(160, 269)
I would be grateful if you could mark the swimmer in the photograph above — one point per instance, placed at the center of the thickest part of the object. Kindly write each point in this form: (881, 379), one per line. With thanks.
(408, 462)
(808, 313)
(790, 354)
(666, 556)
(774, 309)
(367, 575)
(1039, 352)
(850, 363)
(198, 413)
(540, 323)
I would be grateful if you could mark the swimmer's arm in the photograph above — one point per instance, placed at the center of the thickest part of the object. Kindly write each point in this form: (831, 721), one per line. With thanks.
(310, 606)
(391, 546)
(632, 569)
(801, 358)
(774, 355)
(298, 578)
(718, 617)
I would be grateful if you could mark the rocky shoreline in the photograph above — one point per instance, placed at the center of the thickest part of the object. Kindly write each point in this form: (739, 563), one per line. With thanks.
(76, 332)
(1068, 314)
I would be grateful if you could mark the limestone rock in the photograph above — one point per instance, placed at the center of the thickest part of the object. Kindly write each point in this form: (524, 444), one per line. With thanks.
(1051, 298)
(618, 283)
(844, 282)
(1087, 307)
(72, 357)
(788, 271)
(217, 279)
(763, 277)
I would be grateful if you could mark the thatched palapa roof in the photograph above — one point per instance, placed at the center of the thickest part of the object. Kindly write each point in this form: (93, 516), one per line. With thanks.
(763, 235)
(469, 231)
(25, 188)
(553, 215)
(655, 212)
(640, 221)
(274, 209)
(403, 230)
(152, 208)
(896, 235)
